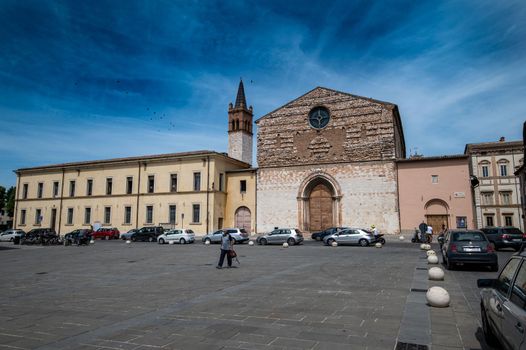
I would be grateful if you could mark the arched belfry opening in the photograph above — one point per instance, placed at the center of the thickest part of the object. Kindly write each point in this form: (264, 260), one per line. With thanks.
(319, 203)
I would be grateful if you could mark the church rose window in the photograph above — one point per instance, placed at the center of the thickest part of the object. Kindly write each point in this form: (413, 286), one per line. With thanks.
(319, 117)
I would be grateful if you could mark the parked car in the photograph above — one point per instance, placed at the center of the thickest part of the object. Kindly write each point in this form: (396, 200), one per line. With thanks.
(502, 305)
(467, 247)
(78, 237)
(291, 236)
(40, 236)
(351, 236)
(177, 236)
(147, 234)
(504, 237)
(9, 235)
(127, 235)
(240, 235)
(106, 233)
(319, 236)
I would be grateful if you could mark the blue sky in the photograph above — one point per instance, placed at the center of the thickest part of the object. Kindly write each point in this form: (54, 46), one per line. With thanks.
(83, 80)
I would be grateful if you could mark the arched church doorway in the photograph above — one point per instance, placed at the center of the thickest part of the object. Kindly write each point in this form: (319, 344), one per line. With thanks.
(242, 218)
(320, 208)
(437, 214)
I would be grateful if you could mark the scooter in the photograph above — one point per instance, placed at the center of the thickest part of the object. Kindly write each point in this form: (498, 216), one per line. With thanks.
(417, 238)
(379, 238)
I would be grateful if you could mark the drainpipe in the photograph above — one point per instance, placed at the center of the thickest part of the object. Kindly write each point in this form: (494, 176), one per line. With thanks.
(207, 190)
(138, 192)
(17, 191)
(60, 204)
(256, 204)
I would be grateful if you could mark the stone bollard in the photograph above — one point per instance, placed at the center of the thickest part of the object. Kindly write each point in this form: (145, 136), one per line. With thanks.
(401, 238)
(436, 274)
(170, 242)
(438, 297)
(432, 259)
(251, 243)
(431, 252)
(207, 242)
(423, 246)
(128, 241)
(378, 245)
(285, 245)
(334, 244)
(92, 241)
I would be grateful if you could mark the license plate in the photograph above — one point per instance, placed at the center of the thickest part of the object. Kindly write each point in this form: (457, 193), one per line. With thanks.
(472, 249)
(517, 240)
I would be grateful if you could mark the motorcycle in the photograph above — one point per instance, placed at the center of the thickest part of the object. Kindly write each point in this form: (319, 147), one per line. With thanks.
(417, 237)
(379, 238)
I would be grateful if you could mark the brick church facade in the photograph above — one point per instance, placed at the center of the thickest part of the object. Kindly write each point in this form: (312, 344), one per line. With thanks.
(327, 159)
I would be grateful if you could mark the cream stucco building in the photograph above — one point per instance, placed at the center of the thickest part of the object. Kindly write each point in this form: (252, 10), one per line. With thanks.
(201, 190)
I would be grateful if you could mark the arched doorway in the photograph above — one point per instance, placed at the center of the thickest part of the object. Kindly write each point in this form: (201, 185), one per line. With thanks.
(437, 214)
(320, 208)
(242, 218)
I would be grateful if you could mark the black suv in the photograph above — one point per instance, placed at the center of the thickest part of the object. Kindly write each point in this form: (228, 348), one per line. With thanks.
(78, 237)
(504, 237)
(147, 234)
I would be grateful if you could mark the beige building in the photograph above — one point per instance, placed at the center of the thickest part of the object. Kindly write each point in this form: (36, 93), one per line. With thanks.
(201, 190)
(497, 199)
(436, 190)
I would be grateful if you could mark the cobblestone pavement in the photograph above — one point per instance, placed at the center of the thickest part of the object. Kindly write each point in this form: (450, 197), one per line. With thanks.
(113, 295)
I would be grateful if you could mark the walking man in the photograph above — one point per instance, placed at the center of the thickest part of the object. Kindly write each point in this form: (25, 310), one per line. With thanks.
(226, 246)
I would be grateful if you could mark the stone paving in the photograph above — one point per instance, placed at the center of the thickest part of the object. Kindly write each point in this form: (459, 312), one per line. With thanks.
(114, 295)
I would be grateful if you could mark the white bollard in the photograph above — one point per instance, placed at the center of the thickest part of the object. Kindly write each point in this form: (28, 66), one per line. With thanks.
(92, 241)
(378, 245)
(401, 238)
(438, 297)
(432, 259)
(128, 241)
(170, 242)
(428, 246)
(207, 242)
(423, 246)
(436, 274)
(431, 252)
(285, 245)
(334, 244)
(251, 243)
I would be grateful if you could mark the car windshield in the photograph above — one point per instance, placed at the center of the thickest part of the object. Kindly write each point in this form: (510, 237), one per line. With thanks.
(468, 236)
(512, 231)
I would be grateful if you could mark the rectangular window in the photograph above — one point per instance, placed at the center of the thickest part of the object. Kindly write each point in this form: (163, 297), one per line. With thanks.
(129, 185)
(221, 182)
(55, 189)
(40, 189)
(434, 179)
(127, 215)
(485, 171)
(89, 187)
(173, 183)
(508, 220)
(462, 222)
(489, 220)
(38, 216)
(109, 186)
(87, 216)
(70, 216)
(72, 188)
(503, 170)
(149, 214)
(197, 181)
(505, 198)
(22, 217)
(196, 213)
(151, 183)
(24, 191)
(107, 215)
(172, 214)
(487, 198)
(243, 186)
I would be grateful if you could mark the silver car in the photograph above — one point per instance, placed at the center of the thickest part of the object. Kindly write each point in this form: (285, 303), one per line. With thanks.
(240, 235)
(350, 236)
(291, 236)
(502, 305)
(9, 235)
(177, 236)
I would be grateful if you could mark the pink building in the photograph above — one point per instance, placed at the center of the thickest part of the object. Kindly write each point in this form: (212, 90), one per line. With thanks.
(436, 190)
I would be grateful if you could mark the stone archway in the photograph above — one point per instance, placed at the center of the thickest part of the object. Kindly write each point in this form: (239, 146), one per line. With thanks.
(437, 214)
(319, 203)
(242, 218)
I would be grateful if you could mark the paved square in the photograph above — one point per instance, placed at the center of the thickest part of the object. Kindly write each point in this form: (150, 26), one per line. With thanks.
(113, 295)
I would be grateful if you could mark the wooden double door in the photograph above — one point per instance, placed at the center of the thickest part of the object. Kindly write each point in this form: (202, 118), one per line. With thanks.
(436, 222)
(320, 208)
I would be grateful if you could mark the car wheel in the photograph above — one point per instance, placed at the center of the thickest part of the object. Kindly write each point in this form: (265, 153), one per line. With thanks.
(161, 241)
(382, 241)
(291, 241)
(363, 242)
(208, 240)
(263, 241)
(329, 241)
(150, 239)
(134, 239)
(489, 336)
(182, 241)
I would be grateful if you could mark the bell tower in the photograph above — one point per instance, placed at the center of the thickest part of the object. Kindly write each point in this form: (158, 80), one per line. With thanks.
(240, 128)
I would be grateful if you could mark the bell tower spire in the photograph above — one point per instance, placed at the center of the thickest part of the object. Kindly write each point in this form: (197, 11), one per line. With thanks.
(240, 127)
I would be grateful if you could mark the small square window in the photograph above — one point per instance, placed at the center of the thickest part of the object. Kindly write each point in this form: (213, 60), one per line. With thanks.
(434, 179)
(243, 186)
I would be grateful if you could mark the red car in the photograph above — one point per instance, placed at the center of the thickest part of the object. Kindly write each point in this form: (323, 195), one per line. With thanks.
(106, 233)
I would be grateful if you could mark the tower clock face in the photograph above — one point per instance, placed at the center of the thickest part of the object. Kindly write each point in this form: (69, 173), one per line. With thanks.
(319, 117)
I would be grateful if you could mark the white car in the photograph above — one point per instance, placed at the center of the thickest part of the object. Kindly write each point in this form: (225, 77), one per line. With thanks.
(177, 236)
(9, 235)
